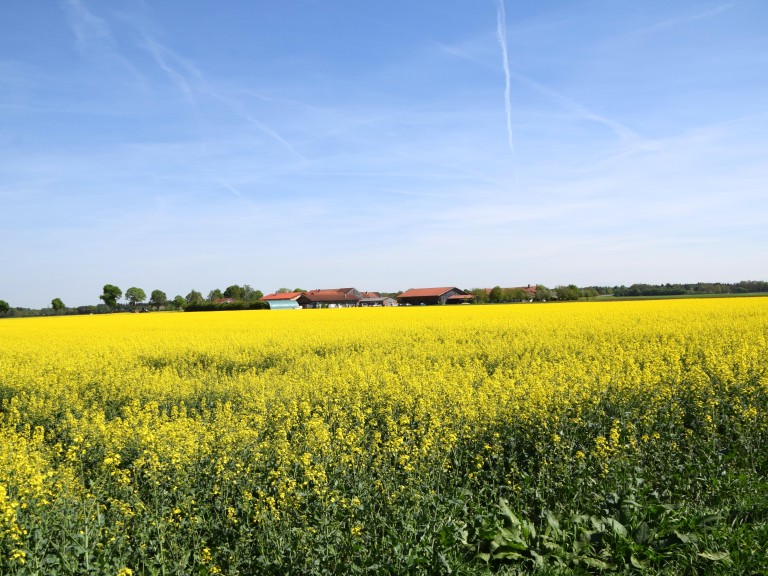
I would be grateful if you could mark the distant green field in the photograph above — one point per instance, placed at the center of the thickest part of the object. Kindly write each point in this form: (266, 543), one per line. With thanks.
(611, 297)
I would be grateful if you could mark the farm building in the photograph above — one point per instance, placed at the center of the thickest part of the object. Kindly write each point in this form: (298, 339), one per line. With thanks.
(330, 298)
(283, 301)
(224, 301)
(449, 295)
(283, 305)
(376, 299)
(282, 296)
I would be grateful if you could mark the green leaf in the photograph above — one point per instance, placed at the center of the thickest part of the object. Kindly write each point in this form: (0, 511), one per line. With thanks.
(709, 520)
(579, 519)
(509, 537)
(444, 562)
(507, 513)
(508, 545)
(529, 530)
(642, 533)
(508, 556)
(686, 538)
(618, 527)
(715, 556)
(636, 563)
(595, 563)
(538, 559)
(553, 521)
(484, 556)
(553, 547)
(50, 559)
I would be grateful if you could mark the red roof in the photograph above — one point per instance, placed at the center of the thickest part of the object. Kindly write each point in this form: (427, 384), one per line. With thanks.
(283, 296)
(422, 292)
(332, 295)
(371, 295)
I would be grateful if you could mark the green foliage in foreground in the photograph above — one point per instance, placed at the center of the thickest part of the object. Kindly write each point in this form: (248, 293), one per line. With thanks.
(702, 510)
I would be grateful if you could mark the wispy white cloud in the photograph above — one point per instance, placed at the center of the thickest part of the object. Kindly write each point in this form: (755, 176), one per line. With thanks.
(238, 108)
(95, 38)
(465, 51)
(194, 86)
(624, 134)
(235, 192)
(501, 34)
(92, 32)
(166, 59)
(691, 17)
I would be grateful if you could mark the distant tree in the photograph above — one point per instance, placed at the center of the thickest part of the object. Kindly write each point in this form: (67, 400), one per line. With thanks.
(4, 307)
(515, 295)
(135, 296)
(570, 292)
(235, 292)
(282, 291)
(542, 293)
(590, 293)
(250, 294)
(178, 303)
(480, 294)
(749, 286)
(214, 295)
(298, 290)
(111, 294)
(194, 297)
(57, 305)
(496, 294)
(158, 299)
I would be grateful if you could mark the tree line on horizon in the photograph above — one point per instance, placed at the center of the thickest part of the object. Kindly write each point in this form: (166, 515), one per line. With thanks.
(136, 298)
(246, 297)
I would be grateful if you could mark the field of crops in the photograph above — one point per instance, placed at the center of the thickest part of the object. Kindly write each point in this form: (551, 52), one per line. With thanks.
(559, 438)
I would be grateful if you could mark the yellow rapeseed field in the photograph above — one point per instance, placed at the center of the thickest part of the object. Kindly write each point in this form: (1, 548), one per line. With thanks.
(261, 442)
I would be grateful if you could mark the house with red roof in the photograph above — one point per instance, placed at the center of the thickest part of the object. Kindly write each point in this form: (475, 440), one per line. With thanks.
(277, 296)
(426, 296)
(330, 298)
(282, 300)
(376, 299)
(224, 301)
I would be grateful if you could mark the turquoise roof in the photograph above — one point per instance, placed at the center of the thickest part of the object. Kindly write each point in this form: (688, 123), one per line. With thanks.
(283, 304)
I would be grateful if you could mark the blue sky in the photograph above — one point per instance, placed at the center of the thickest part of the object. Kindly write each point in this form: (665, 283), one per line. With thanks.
(383, 145)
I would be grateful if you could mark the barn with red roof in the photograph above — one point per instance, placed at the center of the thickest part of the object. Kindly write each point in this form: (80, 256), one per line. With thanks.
(427, 296)
(330, 298)
(282, 300)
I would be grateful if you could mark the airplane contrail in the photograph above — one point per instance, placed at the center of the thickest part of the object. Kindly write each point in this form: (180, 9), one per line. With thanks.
(162, 56)
(501, 34)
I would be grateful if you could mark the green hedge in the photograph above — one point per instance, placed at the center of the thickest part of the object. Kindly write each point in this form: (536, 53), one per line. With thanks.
(214, 307)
